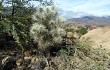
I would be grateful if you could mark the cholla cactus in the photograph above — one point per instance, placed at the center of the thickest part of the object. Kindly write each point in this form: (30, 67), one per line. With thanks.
(46, 30)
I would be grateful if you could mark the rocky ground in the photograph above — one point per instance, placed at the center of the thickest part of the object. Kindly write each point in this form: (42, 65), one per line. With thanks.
(29, 60)
(83, 58)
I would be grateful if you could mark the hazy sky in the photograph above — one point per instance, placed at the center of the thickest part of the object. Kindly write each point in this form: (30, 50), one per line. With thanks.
(95, 7)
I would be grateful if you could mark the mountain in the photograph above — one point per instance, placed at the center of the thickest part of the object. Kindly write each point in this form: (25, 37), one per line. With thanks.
(68, 14)
(92, 20)
(85, 18)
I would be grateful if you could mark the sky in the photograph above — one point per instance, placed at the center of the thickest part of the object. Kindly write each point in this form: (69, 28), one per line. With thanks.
(78, 8)
(85, 7)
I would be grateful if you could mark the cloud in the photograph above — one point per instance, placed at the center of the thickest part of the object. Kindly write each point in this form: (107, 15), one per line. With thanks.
(95, 7)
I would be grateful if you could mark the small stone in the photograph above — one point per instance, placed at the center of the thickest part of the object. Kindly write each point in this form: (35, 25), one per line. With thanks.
(27, 58)
(5, 59)
(19, 62)
(27, 53)
(34, 60)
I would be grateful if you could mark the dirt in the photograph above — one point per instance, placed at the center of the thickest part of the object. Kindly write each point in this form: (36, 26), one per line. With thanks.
(100, 37)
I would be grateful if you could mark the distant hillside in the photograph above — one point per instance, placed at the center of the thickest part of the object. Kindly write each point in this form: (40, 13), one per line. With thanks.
(100, 37)
(92, 20)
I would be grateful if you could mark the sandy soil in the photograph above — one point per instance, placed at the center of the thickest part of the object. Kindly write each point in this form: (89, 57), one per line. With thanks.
(100, 37)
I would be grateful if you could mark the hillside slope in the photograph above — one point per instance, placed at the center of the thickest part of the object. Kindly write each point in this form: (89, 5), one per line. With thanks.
(100, 37)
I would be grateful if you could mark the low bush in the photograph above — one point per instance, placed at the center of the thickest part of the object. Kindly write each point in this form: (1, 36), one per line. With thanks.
(84, 57)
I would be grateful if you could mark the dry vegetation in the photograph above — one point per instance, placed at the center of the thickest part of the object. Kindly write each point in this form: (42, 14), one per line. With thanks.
(52, 43)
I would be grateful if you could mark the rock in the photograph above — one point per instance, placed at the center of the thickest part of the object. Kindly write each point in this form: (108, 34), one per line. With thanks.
(34, 60)
(19, 62)
(76, 35)
(27, 58)
(70, 35)
(27, 53)
(8, 63)
(4, 60)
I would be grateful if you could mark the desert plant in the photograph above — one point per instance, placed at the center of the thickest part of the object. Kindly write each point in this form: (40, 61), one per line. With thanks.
(84, 57)
(82, 31)
(47, 30)
(9, 31)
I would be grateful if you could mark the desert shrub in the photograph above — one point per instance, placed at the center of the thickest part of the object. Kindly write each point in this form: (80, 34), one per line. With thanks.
(46, 29)
(81, 56)
(8, 33)
(82, 31)
(15, 21)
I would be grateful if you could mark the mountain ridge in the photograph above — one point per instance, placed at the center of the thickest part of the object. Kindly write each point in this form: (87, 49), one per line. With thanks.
(92, 20)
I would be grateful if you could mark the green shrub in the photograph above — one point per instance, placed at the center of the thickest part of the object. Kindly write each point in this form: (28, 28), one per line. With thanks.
(82, 31)
(9, 30)
(47, 30)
